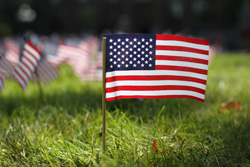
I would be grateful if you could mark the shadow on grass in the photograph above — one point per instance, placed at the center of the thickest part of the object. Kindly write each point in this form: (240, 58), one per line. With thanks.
(73, 96)
(91, 99)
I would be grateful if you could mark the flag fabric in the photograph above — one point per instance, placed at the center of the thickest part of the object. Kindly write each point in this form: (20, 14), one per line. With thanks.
(79, 56)
(84, 65)
(94, 70)
(50, 48)
(72, 55)
(6, 69)
(12, 51)
(46, 71)
(2, 80)
(63, 54)
(25, 69)
(80, 61)
(98, 65)
(92, 43)
(156, 66)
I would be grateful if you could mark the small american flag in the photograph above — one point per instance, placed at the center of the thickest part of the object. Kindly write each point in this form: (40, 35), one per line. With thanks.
(84, 65)
(12, 51)
(46, 71)
(94, 70)
(156, 66)
(63, 54)
(6, 69)
(75, 56)
(25, 69)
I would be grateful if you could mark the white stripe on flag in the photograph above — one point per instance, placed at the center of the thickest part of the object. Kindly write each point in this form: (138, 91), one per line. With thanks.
(29, 57)
(22, 75)
(155, 83)
(182, 54)
(156, 73)
(24, 70)
(32, 51)
(28, 63)
(181, 63)
(28, 72)
(20, 80)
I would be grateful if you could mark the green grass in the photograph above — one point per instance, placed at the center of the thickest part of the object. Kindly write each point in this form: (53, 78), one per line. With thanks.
(67, 129)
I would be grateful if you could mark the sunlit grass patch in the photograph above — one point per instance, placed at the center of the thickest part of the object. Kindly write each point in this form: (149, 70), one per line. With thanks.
(66, 130)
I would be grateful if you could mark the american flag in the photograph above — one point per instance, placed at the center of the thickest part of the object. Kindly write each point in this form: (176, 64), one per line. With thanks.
(85, 66)
(25, 69)
(94, 70)
(156, 66)
(12, 51)
(6, 69)
(62, 54)
(81, 60)
(75, 56)
(46, 72)
(92, 43)
(78, 56)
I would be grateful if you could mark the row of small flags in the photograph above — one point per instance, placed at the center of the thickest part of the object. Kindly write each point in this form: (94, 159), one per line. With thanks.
(137, 65)
(156, 66)
(38, 59)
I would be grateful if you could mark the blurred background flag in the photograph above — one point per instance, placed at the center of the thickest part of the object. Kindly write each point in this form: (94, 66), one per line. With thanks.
(80, 54)
(50, 48)
(2, 80)
(73, 55)
(95, 71)
(62, 53)
(84, 64)
(25, 69)
(12, 51)
(92, 42)
(80, 60)
(46, 71)
(156, 66)
(6, 69)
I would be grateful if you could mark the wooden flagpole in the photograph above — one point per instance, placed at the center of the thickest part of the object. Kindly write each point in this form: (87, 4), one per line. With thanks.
(104, 95)
(39, 87)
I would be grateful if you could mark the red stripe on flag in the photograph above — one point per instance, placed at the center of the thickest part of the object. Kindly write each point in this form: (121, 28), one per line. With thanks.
(24, 72)
(179, 58)
(33, 47)
(33, 65)
(45, 71)
(183, 39)
(30, 54)
(179, 68)
(157, 77)
(26, 65)
(19, 75)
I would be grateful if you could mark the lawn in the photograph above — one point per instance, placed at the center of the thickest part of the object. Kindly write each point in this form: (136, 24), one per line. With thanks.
(66, 129)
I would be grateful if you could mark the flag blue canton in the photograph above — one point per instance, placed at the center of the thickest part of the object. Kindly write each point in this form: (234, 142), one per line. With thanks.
(130, 52)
